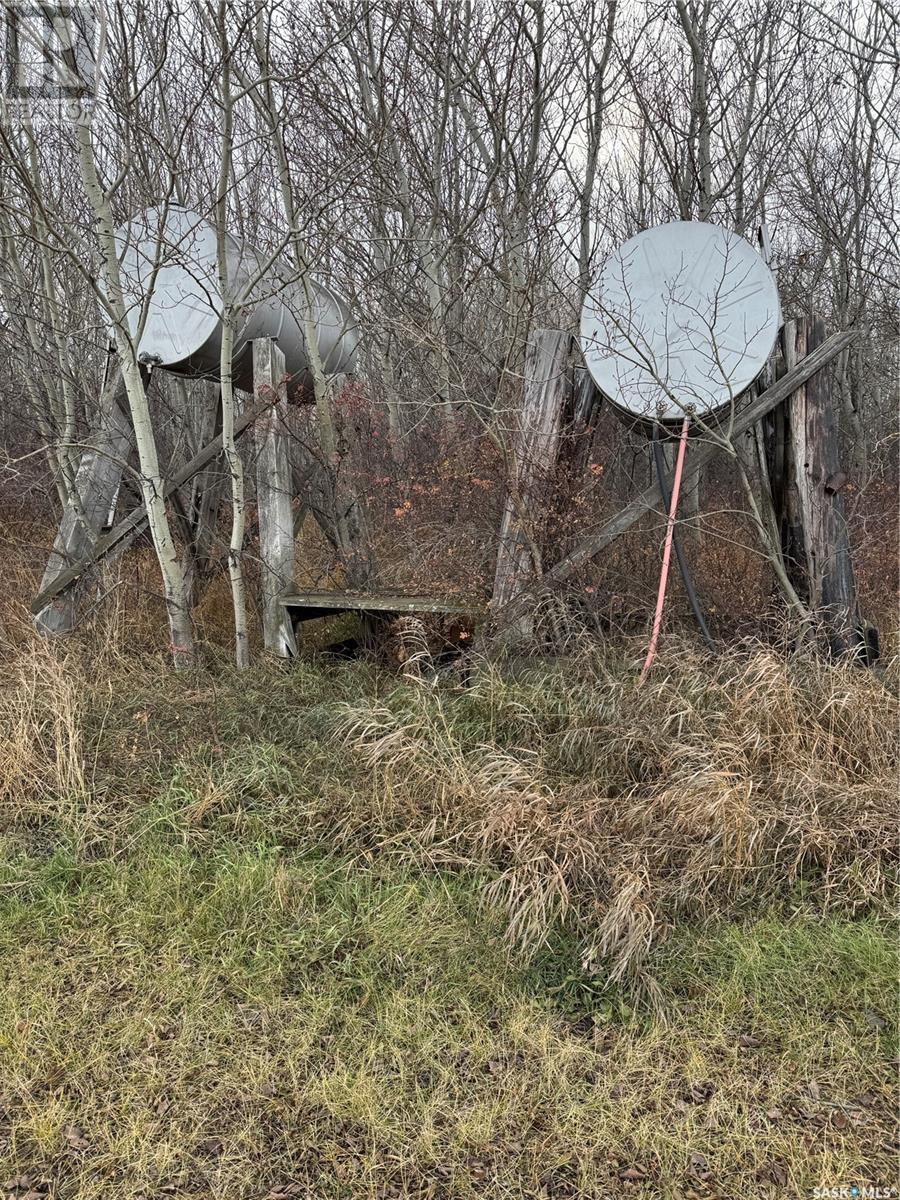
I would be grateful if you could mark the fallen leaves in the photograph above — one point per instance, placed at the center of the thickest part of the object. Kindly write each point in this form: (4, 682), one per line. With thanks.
(632, 1175)
(700, 1093)
(24, 1187)
(75, 1138)
(286, 1191)
(21, 1183)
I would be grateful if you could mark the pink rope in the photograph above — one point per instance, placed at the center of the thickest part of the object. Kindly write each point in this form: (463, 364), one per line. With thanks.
(667, 554)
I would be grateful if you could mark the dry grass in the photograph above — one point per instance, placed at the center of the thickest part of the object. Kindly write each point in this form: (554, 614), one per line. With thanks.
(724, 782)
(627, 809)
(42, 752)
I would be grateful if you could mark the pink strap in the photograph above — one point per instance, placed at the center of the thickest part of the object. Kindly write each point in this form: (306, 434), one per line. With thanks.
(667, 554)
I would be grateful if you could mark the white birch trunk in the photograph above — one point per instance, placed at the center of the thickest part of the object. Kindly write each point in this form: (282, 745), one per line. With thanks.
(238, 503)
(170, 565)
(232, 457)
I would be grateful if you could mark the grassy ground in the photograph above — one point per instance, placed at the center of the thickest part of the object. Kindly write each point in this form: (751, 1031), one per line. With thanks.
(229, 1024)
(325, 933)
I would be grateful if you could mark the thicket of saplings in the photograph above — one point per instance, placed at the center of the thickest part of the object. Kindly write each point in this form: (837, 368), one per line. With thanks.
(339, 929)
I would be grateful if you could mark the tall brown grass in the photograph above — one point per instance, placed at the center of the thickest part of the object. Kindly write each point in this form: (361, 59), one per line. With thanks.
(724, 781)
(42, 751)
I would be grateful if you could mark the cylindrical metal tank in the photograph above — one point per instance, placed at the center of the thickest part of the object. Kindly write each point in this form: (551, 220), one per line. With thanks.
(171, 256)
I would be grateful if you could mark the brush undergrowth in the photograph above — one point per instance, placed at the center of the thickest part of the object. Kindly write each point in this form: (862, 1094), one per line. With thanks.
(724, 782)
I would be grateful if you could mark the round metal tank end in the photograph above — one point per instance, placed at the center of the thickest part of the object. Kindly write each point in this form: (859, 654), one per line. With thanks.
(680, 321)
(169, 269)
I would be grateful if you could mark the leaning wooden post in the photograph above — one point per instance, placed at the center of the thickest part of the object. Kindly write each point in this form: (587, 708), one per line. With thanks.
(96, 482)
(782, 468)
(273, 497)
(534, 449)
(830, 583)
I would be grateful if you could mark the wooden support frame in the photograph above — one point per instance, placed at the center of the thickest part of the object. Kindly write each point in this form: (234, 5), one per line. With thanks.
(590, 546)
(533, 455)
(273, 497)
(809, 442)
(97, 483)
(129, 528)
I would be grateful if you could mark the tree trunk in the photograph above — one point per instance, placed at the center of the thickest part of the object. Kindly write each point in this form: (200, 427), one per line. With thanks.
(226, 354)
(236, 474)
(152, 486)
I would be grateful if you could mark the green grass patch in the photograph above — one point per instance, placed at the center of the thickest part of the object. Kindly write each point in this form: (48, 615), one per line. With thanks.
(220, 1022)
(317, 932)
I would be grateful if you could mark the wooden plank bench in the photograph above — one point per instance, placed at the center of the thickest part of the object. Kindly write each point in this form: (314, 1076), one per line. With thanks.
(308, 606)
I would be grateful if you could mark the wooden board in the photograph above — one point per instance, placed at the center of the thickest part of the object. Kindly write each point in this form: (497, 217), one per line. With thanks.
(307, 606)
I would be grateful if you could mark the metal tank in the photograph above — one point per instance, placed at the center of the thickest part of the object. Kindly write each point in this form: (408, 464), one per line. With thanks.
(170, 255)
(680, 321)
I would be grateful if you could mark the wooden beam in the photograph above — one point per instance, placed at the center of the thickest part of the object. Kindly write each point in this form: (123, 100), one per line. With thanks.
(591, 546)
(376, 602)
(831, 587)
(128, 528)
(533, 455)
(97, 484)
(273, 497)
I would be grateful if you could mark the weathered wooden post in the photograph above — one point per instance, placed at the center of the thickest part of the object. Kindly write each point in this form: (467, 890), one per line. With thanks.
(204, 495)
(818, 478)
(780, 462)
(273, 496)
(534, 451)
(587, 404)
(96, 484)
